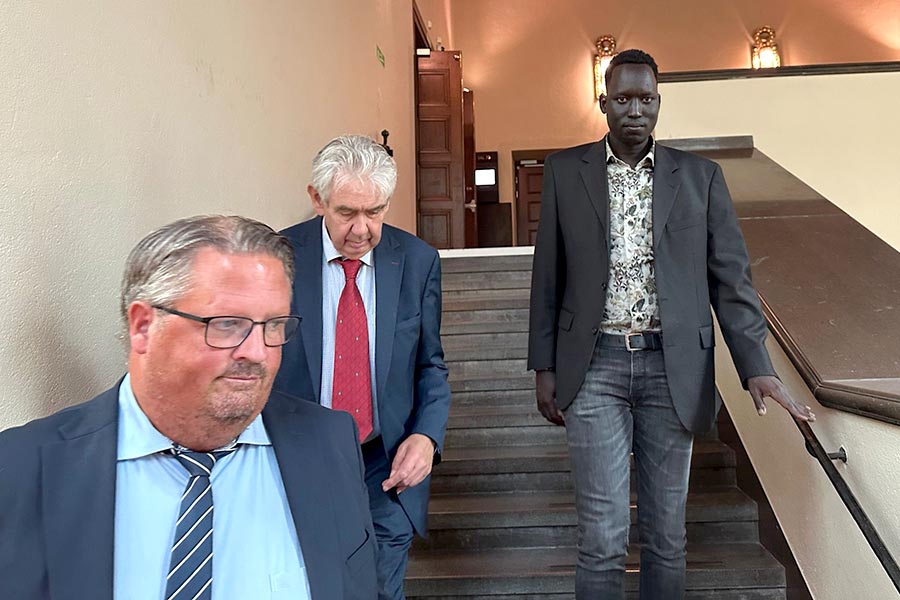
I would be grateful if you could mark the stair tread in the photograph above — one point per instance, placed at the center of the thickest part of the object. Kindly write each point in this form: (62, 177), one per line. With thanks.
(701, 448)
(560, 561)
(529, 509)
(552, 501)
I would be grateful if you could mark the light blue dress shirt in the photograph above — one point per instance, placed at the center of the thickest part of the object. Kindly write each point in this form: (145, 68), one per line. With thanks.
(333, 280)
(256, 553)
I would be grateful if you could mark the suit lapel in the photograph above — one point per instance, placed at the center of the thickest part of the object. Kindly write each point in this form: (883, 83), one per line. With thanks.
(593, 174)
(308, 299)
(388, 276)
(78, 476)
(297, 449)
(665, 188)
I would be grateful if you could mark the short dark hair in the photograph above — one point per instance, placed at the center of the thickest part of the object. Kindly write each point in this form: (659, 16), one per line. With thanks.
(632, 56)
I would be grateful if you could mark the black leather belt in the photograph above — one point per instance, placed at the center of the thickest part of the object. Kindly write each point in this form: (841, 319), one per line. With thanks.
(645, 340)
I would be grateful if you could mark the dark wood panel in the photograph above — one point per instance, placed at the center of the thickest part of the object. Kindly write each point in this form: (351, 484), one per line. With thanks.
(434, 183)
(439, 149)
(434, 135)
(529, 179)
(436, 226)
(434, 88)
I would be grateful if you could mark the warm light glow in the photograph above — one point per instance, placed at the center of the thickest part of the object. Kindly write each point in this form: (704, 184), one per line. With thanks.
(606, 49)
(764, 51)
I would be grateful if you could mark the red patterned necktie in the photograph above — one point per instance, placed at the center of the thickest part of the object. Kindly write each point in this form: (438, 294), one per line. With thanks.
(352, 387)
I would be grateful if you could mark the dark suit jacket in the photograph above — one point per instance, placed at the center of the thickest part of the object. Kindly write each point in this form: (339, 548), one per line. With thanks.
(700, 260)
(410, 374)
(57, 500)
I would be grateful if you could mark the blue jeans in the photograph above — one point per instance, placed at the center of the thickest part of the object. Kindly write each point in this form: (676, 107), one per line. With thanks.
(624, 406)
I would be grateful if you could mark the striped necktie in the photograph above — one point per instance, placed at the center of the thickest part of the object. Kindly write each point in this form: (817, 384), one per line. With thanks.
(190, 565)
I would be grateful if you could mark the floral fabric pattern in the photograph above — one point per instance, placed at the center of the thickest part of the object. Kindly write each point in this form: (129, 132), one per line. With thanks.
(631, 298)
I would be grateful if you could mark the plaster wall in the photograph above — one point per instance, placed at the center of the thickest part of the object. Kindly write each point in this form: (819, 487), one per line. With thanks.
(118, 117)
(829, 548)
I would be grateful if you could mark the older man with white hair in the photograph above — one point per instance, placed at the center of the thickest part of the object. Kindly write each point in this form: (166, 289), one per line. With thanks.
(369, 344)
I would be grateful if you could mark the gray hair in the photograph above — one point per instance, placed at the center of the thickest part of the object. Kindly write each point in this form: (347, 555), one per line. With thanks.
(159, 268)
(353, 157)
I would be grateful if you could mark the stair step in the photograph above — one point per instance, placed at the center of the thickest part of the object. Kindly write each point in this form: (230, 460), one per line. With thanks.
(531, 459)
(741, 594)
(485, 346)
(517, 519)
(485, 299)
(523, 398)
(710, 568)
(541, 432)
(486, 369)
(491, 383)
(466, 470)
(484, 280)
(485, 321)
(509, 262)
(491, 414)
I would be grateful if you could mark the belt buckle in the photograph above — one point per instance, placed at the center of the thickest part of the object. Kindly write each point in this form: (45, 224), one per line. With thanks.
(628, 337)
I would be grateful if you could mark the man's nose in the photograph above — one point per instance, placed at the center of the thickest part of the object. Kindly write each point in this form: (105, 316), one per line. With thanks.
(359, 225)
(634, 108)
(254, 347)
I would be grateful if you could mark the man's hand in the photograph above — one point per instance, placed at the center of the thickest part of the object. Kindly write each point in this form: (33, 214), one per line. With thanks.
(412, 463)
(545, 384)
(764, 386)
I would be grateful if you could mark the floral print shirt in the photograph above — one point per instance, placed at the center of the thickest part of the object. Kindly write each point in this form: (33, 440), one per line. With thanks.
(631, 299)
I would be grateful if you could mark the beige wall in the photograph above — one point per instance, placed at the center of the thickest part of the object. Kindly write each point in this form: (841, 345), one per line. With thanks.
(811, 126)
(118, 117)
(438, 22)
(832, 554)
(529, 63)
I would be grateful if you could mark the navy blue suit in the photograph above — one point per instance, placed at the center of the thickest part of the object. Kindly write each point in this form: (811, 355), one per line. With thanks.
(57, 500)
(410, 374)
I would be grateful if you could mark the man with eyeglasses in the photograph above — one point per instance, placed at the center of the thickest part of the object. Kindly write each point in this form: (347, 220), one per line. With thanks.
(190, 479)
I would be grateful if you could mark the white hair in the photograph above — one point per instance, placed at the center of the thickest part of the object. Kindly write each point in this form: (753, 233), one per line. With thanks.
(353, 157)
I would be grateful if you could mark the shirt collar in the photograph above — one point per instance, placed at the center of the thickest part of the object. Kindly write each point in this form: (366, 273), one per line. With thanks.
(330, 253)
(138, 437)
(649, 159)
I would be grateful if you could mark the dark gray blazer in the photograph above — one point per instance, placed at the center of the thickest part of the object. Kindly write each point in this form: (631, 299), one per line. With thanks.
(700, 261)
(57, 500)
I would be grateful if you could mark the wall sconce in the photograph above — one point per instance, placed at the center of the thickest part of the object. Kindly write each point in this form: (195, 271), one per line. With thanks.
(764, 51)
(606, 49)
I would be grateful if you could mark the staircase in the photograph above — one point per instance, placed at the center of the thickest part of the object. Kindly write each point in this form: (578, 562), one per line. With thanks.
(502, 515)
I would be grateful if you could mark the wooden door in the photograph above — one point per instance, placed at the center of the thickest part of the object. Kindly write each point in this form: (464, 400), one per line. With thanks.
(440, 185)
(529, 179)
(471, 197)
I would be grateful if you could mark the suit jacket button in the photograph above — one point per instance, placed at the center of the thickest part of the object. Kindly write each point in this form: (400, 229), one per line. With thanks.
(603, 286)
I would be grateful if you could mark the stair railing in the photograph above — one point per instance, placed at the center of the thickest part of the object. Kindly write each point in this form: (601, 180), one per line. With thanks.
(826, 459)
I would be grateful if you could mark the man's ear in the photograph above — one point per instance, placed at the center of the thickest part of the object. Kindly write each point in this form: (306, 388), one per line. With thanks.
(140, 317)
(317, 202)
(602, 103)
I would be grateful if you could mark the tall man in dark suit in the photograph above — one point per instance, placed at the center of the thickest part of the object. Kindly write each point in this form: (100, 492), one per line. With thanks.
(369, 344)
(636, 241)
(115, 497)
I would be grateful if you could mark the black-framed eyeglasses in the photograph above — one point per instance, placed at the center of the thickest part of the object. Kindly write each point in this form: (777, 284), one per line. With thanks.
(226, 331)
